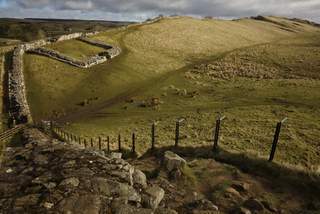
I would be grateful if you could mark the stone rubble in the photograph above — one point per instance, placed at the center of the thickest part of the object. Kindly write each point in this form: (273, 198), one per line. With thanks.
(49, 176)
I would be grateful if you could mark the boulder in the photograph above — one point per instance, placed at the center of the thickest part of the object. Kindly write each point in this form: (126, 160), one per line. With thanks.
(80, 204)
(173, 161)
(241, 210)
(70, 182)
(152, 197)
(139, 178)
(253, 205)
(117, 155)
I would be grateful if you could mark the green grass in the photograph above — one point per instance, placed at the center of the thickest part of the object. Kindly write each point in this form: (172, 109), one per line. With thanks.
(76, 49)
(282, 82)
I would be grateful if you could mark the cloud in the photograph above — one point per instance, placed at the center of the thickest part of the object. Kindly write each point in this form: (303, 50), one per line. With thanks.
(138, 9)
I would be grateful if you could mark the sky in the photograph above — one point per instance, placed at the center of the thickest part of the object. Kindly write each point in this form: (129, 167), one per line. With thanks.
(139, 10)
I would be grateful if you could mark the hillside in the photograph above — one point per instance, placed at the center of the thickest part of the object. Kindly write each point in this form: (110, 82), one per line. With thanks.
(253, 71)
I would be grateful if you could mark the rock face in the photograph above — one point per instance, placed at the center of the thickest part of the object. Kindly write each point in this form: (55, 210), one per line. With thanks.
(48, 176)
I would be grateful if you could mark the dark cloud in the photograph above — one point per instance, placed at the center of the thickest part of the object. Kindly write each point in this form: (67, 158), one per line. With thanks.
(140, 9)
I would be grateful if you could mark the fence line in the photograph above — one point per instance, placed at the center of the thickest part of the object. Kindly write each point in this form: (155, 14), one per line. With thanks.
(99, 142)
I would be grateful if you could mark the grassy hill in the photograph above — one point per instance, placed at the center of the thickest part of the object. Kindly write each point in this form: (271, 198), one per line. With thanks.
(253, 71)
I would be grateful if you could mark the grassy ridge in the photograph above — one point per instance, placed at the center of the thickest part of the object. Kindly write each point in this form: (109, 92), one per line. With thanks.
(157, 62)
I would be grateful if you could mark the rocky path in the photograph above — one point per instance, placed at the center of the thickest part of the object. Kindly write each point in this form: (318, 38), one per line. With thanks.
(44, 175)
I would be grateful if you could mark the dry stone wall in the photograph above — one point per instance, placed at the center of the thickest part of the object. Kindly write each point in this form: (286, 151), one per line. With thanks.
(19, 110)
(89, 62)
(102, 57)
(18, 105)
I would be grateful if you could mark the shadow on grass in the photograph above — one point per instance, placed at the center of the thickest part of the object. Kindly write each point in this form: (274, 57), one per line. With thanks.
(279, 174)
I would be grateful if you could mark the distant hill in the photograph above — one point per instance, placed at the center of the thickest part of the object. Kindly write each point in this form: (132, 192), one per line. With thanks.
(31, 29)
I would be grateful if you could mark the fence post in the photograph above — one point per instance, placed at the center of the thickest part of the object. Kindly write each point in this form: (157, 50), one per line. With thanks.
(133, 143)
(216, 133)
(99, 143)
(178, 122)
(91, 141)
(153, 136)
(108, 143)
(85, 143)
(119, 143)
(79, 139)
(276, 139)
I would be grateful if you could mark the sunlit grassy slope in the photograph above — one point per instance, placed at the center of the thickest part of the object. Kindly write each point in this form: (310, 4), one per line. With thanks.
(76, 49)
(175, 58)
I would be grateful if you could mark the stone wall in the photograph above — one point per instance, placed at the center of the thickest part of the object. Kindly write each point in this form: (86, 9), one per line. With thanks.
(18, 105)
(89, 62)
(112, 51)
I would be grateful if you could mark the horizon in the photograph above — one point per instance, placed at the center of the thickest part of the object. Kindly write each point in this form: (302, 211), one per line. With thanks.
(140, 10)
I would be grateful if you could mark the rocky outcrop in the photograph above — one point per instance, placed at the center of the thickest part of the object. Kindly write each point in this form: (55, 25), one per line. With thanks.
(89, 62)
(45, 175)
(18, 105)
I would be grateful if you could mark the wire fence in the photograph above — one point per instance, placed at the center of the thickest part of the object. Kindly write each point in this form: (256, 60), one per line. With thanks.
(220, 134)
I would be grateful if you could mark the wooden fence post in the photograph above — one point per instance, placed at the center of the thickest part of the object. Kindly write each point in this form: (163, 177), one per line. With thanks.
(153, 135)
(133, 143)
(91, 141)
(119, 143)
(79, 139)
(178, 122)
(99, 143)
(216, 133)
(85, 143)
(276, 139)
(108, 143)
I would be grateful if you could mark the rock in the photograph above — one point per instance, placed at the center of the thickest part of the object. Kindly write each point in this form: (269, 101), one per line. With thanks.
(116, 155)
(173, 161)
(9, 170)
(253, 205)
(139, 178)
(269, 206)
(69, 164)
(101, 185)
(152, 197)
(73, 182)
(165, 211)
(232, 192)
(28, 200)
(127, 209)
(241, 187)
(84, 204)
(241, 210)
(41, 160)
(48, 205)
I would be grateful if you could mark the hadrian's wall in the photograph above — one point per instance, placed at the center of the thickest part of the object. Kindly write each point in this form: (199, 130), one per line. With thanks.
(18, 105)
